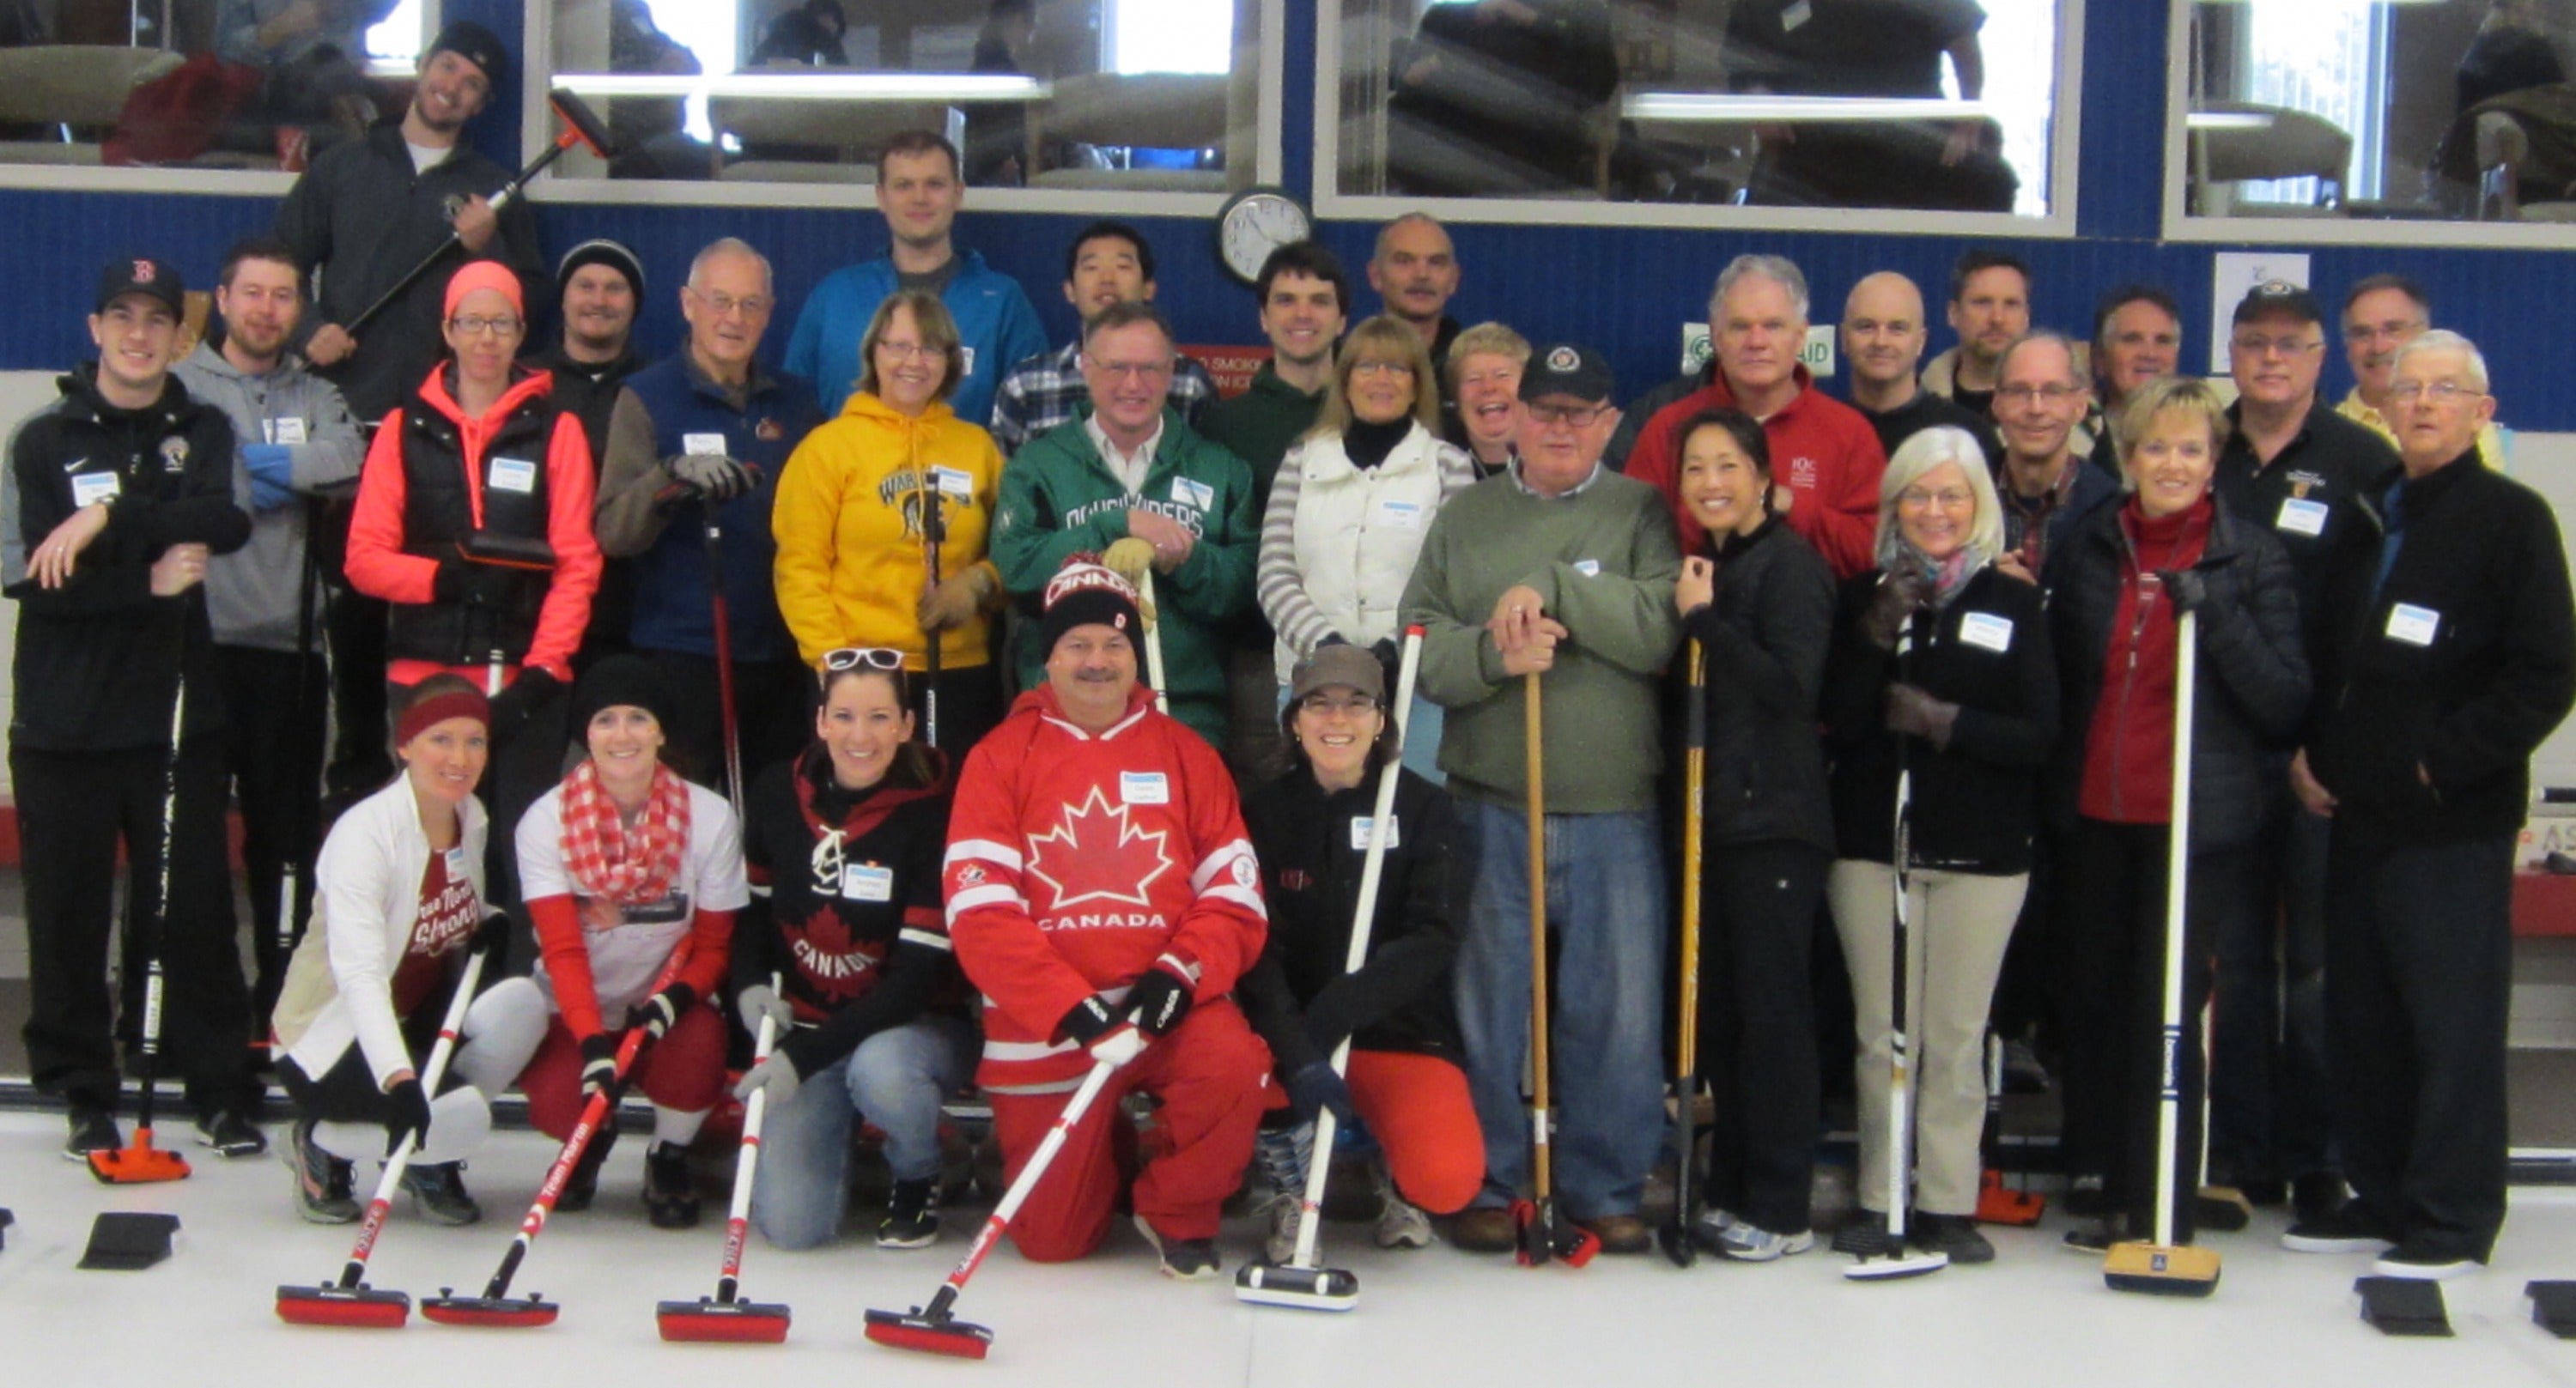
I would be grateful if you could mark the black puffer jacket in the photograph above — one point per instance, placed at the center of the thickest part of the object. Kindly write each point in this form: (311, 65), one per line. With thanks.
(1766, 631)
(2253, 687)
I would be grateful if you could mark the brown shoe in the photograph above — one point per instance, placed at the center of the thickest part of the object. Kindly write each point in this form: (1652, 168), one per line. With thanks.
(1483, 1231)
(1620, 1233)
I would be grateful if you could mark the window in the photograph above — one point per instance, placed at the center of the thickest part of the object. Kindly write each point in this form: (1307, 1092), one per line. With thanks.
(737, 100)
(2366, 119)
(1781, 109)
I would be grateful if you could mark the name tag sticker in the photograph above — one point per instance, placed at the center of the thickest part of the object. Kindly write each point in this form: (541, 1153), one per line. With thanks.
(1987, 631)
(90, 488)
(1399, 515)
(1589, 568)
(867, 882)
(2300, 517)
(1360, 832)
(455, 864)
(2413, 625)
(514, 475)
(954, 481)
(1144, 788)
(1796, 16)
(704, 445)
(1195, 494)
(289, 430)
(969, 354)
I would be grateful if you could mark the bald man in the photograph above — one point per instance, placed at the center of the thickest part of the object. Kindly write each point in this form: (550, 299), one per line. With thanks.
(1884, 334)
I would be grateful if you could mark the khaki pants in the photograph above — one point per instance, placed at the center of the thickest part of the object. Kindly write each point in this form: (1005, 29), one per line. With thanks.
(1957, 926)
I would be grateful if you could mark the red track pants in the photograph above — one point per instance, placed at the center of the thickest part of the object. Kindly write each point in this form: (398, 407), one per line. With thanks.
(1418, 1108)
(683, 1072)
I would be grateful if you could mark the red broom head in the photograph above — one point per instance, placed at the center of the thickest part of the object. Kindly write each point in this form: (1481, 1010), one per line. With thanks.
(361, 1308)
(490, 1313)
(1580, 1248)
(140, 1164)
(956, 1339)
(723, 1322)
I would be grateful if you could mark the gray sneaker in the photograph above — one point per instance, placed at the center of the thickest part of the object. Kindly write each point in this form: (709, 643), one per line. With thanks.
(321, 1180)
(438, 1192)
(1400, 1223)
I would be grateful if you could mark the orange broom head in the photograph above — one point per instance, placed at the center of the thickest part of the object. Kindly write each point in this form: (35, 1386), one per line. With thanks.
(363, 1308)
(2161, 1269)
(941, 1335)
(1998, 1203)
(707, 1320)
(140, 1164)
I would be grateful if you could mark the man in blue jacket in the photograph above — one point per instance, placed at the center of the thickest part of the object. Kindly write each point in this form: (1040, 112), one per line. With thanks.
(919, 191)
(695, 446)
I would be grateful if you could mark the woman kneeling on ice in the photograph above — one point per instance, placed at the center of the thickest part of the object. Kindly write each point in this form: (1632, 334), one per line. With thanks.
(849, 838)
(1310, 829)
(624, 863)
(400, 898)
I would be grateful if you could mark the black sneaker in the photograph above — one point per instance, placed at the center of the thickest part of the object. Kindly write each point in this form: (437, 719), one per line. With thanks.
(2420, 1262)
(911, 1217)
(2088, 1196)
(230, 1132)
(438, 1192)
(582, 1186)
(2094, 1237)
(670, 1192)
(2316, 1195)
(1184, 1260)
(321, 1181)
(2345, 1230)
(93, 1129)
(1955, 1235)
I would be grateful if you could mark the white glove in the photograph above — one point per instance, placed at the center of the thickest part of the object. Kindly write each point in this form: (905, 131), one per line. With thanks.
(1120, 1044)
(777, 1075)
(758, 1001)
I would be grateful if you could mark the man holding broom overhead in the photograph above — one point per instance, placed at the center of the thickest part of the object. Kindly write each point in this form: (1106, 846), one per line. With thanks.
(1103, 897)
(1563, 568)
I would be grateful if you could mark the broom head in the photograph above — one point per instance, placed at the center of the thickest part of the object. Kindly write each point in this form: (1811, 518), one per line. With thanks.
(2161, 1269)
(493, 1312)
(940, 1334)
(1998, 1203)
(361, 1307)
(708, 1320)
(138, 1164)
(1308, 1289)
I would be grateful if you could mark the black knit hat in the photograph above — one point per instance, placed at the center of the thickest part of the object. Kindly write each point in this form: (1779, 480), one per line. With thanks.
(1086, 592)
(620, 679)
(477, 45)
(600, 251)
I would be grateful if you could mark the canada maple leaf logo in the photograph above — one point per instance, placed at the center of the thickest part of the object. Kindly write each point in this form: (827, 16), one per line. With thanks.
(1094, 856)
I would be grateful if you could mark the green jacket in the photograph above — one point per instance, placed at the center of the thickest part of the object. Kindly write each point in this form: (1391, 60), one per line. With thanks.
(1059, 498)
(1259, 425)
(1603, 561)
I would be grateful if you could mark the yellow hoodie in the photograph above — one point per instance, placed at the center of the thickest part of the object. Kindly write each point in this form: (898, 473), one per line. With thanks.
(851, 560)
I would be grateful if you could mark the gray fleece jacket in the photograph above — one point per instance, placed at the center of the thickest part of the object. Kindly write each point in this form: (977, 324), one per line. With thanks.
(250, 593)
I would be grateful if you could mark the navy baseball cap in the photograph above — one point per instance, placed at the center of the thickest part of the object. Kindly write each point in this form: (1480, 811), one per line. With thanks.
(1562, 368)
(2278, 296)
(142, 274)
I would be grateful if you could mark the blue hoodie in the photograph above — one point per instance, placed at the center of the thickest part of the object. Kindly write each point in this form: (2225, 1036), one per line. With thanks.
(995, 321)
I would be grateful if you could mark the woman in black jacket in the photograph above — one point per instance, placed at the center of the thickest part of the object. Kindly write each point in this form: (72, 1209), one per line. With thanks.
(1406, 1081)
(1966, 705)
(2171, 546)
(1760, 604)
(849, 839)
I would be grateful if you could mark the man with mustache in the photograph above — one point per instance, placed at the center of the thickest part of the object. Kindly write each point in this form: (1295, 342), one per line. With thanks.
(1415, 271)
(2382, 313)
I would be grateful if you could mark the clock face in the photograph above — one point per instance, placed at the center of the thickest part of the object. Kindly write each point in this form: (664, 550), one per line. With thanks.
(1254, 225)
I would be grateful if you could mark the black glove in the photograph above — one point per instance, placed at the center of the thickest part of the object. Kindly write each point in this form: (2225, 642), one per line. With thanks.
(1315, 1088)
(463, 583)
(1161, 998)
(2185, 589)
(1088, 1021)
(1893, 605)
(411, 1115)
(598, 1063)
(656, 1013)
(1910, 710)
(515, 706)
(492, 937)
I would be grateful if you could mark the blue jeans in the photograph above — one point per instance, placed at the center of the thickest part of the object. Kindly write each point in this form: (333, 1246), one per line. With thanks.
(1606, 903)
(898, 1078)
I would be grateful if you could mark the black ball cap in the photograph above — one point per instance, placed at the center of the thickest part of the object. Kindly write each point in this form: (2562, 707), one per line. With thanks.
(477, 45)
(2278, 296)
(141, 274)
(1563, 368)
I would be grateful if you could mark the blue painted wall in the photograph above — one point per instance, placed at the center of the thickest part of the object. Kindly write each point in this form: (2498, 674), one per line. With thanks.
(1622, 289)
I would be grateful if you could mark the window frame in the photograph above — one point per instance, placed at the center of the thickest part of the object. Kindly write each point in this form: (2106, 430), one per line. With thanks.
(537, 132)
(2058, 224)
(2179, 224)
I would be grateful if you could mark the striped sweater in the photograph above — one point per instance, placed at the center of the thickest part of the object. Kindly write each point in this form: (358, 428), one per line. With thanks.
(1339, 541)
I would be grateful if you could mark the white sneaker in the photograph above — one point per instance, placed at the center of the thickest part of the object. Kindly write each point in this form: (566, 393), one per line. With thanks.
(1280, 1244)
(1400, 1224)
(1750, 1243)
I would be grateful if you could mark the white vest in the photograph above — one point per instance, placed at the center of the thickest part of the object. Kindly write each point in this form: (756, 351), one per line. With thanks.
(1358, 531)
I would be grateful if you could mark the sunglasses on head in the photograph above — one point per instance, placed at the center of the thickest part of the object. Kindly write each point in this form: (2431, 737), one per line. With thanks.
(852, 657)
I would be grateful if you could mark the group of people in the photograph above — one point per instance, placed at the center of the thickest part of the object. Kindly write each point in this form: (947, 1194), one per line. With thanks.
(1046, 610)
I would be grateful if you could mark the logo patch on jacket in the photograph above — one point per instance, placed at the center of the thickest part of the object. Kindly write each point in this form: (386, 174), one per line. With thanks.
(1095, 853)
(174, 454)
(833, 964)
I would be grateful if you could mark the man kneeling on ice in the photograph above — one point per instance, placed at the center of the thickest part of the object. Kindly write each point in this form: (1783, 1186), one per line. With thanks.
(1103, 897)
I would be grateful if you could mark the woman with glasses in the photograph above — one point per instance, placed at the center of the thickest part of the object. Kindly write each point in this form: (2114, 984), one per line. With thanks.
(2129, 573)
(871, 499)
(1941, 668)
(1351, 505)
(1406, 1078)
(871, 1024)
(1758, 601)
(473, 522)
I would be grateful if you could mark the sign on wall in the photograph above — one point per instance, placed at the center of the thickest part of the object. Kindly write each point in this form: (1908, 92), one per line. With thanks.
(1817, 355)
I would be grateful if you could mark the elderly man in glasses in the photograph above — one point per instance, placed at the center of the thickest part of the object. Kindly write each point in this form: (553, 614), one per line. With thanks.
(1559, 568)
(695, 446)
(1824, 454)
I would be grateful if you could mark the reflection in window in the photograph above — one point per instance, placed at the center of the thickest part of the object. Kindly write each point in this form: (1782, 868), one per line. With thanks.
(230, 84)
(2358, 108)
(1937, 104)
(1131, 95)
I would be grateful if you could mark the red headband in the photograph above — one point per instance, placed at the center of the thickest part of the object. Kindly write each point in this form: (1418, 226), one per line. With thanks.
(437, 709)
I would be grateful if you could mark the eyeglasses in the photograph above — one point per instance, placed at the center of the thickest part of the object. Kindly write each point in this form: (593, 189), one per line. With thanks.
(1131, 370)
(1357, 705)
(2439, 392)
(1381, 368)
(2253, 346)
(1580, 416)
(1948, 498)
(852, 657)
(2037, 395)
(909, 351)
(478, 327)
(726, 305)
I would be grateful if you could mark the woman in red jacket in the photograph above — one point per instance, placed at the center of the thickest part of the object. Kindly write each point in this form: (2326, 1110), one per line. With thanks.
(625, 864)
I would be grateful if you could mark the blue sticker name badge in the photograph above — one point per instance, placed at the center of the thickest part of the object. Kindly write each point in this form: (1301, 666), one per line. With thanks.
(90, 488)
(1144, 788)
(2413, 625)
(1195, 494)
(956, 482)
(1360, 825)
(1986, 631)
(514, 475)
(2301, 517)
(867, 882)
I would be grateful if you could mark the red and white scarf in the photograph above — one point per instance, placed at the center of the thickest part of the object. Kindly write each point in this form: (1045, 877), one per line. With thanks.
(631, 867)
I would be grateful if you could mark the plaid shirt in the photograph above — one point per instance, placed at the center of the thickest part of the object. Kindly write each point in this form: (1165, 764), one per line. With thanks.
(1047, 391)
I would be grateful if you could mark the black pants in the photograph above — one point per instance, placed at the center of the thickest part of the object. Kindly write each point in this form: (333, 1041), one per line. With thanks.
(770, 713)
(1757, 1032)
(273, 732)
(347, 1092)
(73, 810)
(970, 703)
(2268, 1111)
(2111, 950)
(355, 624)
(2419, 976)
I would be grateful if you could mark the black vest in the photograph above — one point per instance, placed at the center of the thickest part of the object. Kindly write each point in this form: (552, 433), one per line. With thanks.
(438, 515)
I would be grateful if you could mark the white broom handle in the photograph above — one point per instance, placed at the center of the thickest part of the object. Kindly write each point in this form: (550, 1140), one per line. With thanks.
(753, 1110)
(2177, 880)
(1154, 642)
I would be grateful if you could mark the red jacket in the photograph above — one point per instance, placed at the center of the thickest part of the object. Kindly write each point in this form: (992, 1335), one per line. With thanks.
(1076, 860)
(1823, 449)
(379, 567)
(2129, 745)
